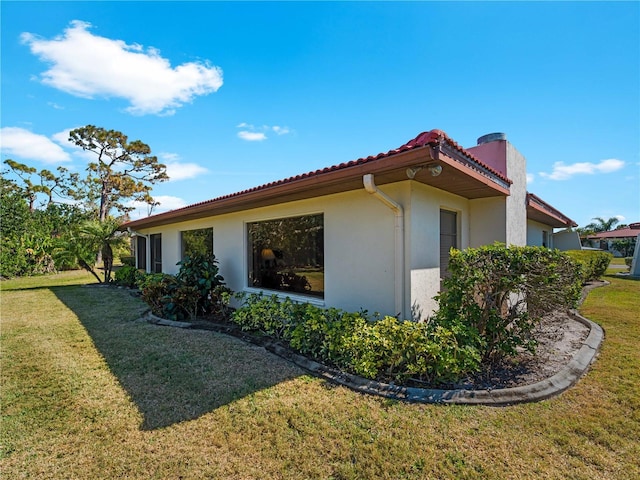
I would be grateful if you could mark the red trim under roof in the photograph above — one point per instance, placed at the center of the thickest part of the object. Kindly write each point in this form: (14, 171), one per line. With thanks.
(432, 138)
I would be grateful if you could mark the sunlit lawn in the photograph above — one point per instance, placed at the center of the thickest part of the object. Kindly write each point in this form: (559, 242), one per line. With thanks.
(88, 391)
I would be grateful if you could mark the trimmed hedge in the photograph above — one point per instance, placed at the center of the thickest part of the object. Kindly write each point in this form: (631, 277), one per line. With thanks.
(594, 263)
(384, 349)
(495, 295)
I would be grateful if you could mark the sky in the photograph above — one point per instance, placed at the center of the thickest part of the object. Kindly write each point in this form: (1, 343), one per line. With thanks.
(232, 95)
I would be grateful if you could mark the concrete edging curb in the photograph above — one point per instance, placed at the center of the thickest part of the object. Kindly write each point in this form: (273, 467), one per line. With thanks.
(535, 392)
(542, 390)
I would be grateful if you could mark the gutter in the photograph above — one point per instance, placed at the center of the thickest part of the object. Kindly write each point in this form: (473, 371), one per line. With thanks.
(133, 233)
(370, 187)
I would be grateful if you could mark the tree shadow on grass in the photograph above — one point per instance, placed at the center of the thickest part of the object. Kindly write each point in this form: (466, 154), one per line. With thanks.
(171, 374)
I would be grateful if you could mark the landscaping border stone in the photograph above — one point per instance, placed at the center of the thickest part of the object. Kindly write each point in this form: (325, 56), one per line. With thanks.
(535, 392)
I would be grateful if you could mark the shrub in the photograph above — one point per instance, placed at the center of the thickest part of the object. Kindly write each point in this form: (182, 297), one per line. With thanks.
(128, 260)
(156, 292)
(594, 263)
(628, 261)
(379, 349)
(267, 315)
(197, 290)
(128, 276)
(495, 295)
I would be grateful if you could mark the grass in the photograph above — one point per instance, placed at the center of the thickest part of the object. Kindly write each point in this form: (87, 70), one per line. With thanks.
(88, 391)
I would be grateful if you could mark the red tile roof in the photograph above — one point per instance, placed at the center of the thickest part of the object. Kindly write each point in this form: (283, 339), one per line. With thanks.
(430, 138)
(633, 230)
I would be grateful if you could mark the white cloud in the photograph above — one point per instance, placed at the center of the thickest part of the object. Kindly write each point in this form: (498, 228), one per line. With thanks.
(24, 144)
(564, 172)
(167, 202)
(280, 130)
(251, 136)
(530, 178)
(251, 133)
(87, 65)
(621, 218)
(178, 170)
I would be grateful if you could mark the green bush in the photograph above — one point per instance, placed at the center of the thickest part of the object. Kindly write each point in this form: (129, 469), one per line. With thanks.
(128, 260)
(594, 263)
(156, 291)
(128, 276)
(197, 290)
(628, 261)
(384, 349)
(495, 295)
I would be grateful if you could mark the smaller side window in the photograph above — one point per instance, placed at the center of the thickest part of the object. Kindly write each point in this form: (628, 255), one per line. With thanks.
(156, 253)
(198, 241)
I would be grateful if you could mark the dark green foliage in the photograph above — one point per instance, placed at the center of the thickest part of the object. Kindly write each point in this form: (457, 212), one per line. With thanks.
(156, 292)
(382, 349)
(128, 276)
(495, 295)
(29, 237)
(197, 290)
(128, 260)
(626, 246)
(628, 261)
(594, 263)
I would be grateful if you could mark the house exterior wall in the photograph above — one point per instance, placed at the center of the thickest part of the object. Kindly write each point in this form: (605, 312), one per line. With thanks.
(488, 221)
(358, 247)
(423, 252)
(535, 234)
(566, 241)
(505, 158)
(517, 201)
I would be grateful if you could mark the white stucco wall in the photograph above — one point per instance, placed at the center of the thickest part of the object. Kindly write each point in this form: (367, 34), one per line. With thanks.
(359, 247)
(516, 233)
(535, 234)
(423, 234)
(487, 221)
(566, 241)
(359, 243)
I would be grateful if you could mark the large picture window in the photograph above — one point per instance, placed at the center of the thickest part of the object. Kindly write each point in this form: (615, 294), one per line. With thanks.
(199, 241)
(287, 254)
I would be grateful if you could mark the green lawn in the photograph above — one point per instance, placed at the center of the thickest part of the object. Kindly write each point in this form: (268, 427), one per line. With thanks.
(88, 391)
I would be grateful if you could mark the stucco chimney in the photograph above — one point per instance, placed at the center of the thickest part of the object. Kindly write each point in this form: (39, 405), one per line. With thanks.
(492, 137)
(494, 150)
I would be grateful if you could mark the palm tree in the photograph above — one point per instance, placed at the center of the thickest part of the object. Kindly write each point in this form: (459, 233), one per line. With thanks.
(602, 225)
(91, 239)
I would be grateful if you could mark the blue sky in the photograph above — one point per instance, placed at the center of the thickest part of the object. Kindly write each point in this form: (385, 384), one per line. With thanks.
(238, 94)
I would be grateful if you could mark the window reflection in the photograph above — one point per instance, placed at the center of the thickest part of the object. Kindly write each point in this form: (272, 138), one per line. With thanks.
(287, 254)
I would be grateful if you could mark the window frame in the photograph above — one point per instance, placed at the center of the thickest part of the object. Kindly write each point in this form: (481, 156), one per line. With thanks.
(182, 243)
(249, 259)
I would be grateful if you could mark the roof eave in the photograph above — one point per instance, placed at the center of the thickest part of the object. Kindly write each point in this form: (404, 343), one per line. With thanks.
(462, 174)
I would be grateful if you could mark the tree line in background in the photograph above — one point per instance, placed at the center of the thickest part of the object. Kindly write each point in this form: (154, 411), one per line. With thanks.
(624, 246)
(64, 220)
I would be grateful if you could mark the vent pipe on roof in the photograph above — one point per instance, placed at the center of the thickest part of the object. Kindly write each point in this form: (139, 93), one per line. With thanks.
(492, 137)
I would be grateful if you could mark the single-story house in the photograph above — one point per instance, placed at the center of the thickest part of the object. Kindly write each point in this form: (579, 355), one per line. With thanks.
(605, 240)
(372, 233)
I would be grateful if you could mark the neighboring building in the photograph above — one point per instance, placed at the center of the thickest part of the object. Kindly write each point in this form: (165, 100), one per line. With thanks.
(605, 240)
(373, 233)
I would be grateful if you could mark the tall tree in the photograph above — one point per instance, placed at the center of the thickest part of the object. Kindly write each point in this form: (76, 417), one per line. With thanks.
(602, 225)
(122, 171)
(46, 183)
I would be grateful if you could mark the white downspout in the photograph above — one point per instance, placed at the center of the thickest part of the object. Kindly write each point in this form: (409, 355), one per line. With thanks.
(370, 187)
